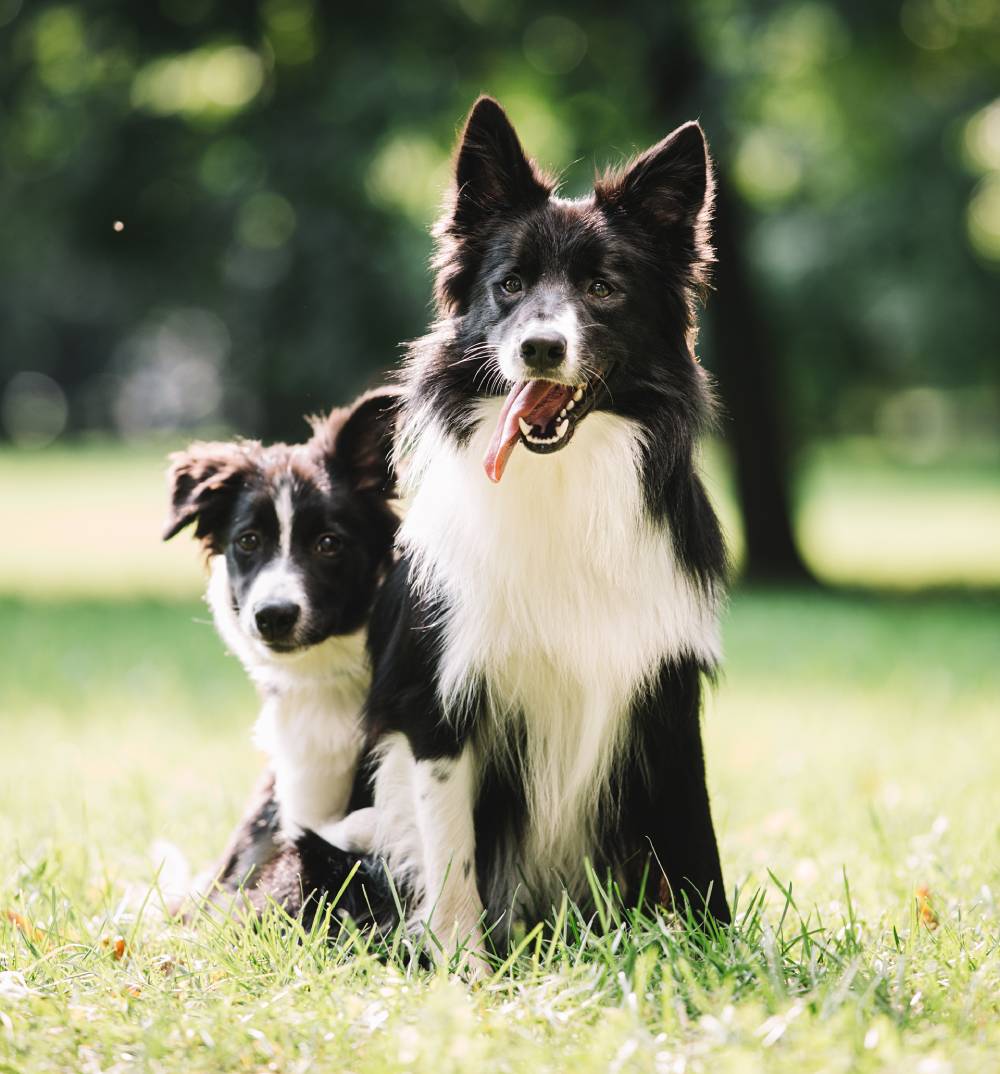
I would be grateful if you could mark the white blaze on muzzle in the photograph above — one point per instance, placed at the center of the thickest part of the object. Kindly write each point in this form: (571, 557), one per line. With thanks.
(281, 581)
(554, 313)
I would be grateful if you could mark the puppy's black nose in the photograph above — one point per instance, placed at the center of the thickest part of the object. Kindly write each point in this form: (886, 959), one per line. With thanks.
(545, 350)
(276, 621)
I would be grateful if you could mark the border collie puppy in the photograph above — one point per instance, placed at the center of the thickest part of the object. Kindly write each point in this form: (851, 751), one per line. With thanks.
(298, 537)
(539, 647)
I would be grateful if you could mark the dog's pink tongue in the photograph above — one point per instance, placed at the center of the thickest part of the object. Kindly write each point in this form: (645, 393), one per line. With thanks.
(537, 402)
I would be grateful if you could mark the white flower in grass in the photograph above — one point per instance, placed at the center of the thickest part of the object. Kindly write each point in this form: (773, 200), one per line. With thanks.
(773, 1029)
(933, 1064)
(13, 986)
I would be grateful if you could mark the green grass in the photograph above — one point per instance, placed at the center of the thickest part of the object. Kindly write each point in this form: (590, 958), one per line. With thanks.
(851, 736)
(853, 760)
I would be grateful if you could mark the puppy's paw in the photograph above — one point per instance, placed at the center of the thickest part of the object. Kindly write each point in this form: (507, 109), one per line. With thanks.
(355, 833)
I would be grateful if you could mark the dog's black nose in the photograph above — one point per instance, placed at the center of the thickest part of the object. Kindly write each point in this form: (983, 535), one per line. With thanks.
(544, 350)
(276, 621)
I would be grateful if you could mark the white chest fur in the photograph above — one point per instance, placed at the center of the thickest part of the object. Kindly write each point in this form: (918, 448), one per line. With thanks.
(312, 737)
(563, 599)
(310, 721)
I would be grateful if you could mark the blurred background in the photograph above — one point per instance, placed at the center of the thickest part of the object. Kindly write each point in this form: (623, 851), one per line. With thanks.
(216, 219)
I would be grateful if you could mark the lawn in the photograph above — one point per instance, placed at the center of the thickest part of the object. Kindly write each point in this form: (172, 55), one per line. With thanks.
(855, 770)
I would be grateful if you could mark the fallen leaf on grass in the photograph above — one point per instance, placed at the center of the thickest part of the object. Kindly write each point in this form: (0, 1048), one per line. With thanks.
(116, 945)
(24, 926)
(165, 964)
(925, 909)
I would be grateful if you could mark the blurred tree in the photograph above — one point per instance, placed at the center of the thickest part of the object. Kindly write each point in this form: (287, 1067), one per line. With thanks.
(274, 166)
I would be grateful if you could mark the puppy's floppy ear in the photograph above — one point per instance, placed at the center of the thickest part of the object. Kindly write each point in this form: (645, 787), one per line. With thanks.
(357, 441)
(492, 173)
(203, 482)
(669, 185)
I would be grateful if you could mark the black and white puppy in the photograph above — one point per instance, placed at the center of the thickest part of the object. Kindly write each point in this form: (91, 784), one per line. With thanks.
(538, 649)
(299, 538)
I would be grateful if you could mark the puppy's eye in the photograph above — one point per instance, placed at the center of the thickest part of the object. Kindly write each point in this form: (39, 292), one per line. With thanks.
(328, 544)
(512, 284)
(248, 542)
(600, 289)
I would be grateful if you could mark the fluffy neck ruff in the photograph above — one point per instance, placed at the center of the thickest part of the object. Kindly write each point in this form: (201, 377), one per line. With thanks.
(561, 558)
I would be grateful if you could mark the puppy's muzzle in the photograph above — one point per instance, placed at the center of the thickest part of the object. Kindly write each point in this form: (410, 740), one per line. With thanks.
(276, 620)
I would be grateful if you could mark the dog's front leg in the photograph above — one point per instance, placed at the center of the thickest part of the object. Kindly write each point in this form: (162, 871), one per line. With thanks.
(444, 800)
(678, 822)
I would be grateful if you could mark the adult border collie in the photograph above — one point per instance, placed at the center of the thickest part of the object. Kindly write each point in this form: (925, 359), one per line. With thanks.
(539, 648)
(299, 537)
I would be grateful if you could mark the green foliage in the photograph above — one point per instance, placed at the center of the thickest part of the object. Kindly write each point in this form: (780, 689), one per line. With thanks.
(274, 167)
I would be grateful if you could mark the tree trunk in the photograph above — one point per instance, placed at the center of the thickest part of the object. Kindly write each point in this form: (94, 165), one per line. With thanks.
(750, 383)
(743, 343)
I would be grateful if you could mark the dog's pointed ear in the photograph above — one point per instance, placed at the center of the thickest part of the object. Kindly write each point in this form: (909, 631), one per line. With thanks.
(493, 177)
(357, 441)
(203, 483)
(492, 173)
(669, 185)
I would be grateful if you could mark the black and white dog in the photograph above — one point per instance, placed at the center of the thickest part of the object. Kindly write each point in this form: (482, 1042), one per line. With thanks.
(538, 650)
(299, 538)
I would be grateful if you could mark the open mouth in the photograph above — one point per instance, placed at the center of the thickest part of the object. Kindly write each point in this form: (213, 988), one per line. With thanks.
(283, 647)
(542, 415)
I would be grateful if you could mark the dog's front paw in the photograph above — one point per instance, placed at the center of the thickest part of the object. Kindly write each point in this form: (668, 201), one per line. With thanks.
(472, 962)
(460, 944)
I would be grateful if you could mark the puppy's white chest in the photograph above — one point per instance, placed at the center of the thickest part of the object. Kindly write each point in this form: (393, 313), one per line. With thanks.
(312, 738)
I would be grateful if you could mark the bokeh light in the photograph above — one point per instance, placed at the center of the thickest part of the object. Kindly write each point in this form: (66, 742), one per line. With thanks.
(221, 214)
(213, 80)
(554, 44)
(33, 409)
(171, 373)
(984, 218)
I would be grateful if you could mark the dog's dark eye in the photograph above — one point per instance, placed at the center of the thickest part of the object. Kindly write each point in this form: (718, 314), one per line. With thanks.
(512, 284)
(328, 544)
(248, 542)
(600, 289)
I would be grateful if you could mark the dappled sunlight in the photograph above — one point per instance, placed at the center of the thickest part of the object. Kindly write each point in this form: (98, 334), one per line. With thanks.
(209, 81)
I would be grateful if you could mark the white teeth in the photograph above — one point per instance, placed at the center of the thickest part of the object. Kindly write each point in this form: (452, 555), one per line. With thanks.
(561, 429)
(544, 439)
(577, 395)
(569, 406)
(562, 413)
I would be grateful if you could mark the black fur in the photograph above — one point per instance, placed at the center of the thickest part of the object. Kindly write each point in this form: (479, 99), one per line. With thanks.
(645, 230)
(340, 484)
(311, 875)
